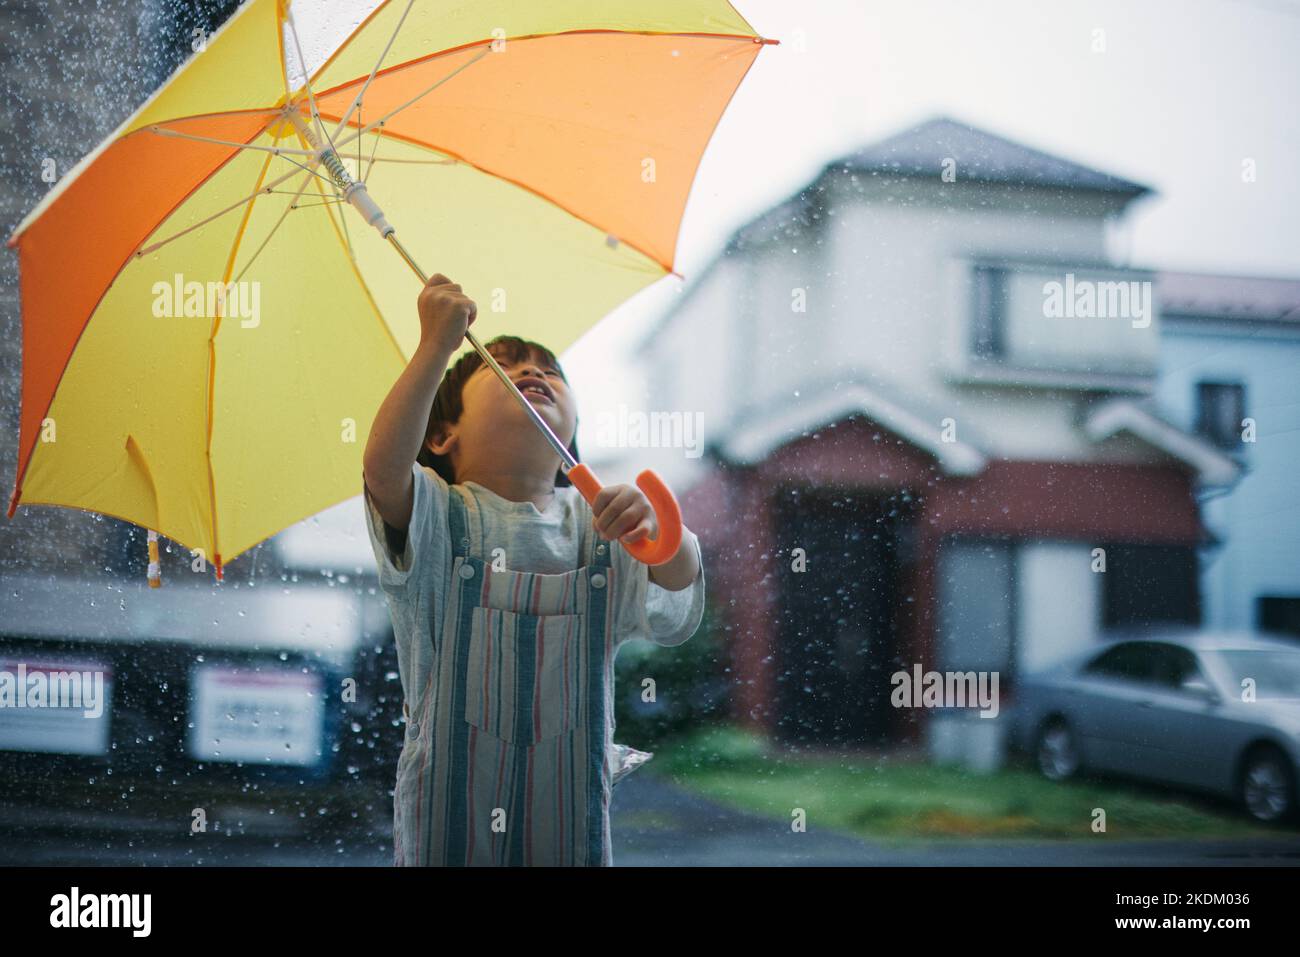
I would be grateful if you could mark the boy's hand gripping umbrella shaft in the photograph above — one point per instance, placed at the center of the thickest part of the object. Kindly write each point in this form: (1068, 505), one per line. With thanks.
(668, 514)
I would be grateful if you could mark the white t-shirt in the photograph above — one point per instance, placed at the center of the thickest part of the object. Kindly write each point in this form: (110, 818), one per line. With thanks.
(415, 582)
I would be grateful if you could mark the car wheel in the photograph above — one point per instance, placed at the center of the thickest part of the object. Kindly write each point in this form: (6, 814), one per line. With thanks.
(1267, 786)
(1058, 751)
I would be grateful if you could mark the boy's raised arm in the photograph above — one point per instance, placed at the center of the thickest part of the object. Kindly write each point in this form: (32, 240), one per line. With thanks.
(397, 432)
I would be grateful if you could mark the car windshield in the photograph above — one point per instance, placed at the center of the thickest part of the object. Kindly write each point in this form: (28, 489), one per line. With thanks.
(1276, 673)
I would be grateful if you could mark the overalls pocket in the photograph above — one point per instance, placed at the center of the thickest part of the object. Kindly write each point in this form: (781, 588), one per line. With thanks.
(522, 677)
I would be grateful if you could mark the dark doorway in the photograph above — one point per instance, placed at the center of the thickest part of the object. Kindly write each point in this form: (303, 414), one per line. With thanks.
(838, 630)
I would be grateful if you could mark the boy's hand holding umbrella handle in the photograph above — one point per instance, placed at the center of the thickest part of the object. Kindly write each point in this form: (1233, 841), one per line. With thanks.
(446, 314)
(668, 514)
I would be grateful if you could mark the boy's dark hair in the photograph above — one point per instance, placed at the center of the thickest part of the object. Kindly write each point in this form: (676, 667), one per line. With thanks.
(447, 405)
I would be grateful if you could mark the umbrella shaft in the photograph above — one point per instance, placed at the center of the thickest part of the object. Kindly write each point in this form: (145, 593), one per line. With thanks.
(349, 189)
(565, 455)
(356, 194)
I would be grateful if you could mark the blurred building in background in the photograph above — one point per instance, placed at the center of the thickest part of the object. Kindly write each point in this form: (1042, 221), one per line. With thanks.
(976, 472)
(1230, 371)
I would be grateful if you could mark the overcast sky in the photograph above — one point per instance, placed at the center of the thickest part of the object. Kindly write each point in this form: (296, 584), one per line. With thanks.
(1184, 91)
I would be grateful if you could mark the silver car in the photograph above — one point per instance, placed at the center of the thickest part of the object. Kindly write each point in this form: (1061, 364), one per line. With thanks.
(1213, 712)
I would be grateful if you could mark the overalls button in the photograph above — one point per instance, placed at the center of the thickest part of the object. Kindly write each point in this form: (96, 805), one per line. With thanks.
(464, 541)
(414, 727)
(598, 580)
(600, 549)
(466, 571)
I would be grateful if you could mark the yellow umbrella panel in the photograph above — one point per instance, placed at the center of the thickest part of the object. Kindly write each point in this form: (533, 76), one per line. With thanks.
(208, 331)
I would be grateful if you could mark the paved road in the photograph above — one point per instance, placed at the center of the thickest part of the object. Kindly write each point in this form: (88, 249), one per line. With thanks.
(654, 824)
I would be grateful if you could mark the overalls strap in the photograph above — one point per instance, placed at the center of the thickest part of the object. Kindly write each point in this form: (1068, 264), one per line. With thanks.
(458, 522)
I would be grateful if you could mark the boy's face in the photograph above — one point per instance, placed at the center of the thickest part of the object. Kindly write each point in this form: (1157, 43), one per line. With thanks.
(493, 426)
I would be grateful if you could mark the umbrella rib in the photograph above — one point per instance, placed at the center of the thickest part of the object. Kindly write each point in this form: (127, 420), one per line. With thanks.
(361, 281)
(306, 168)
(373, 150)
(289, 192)
(283, 216)
(393, 159)
(419, 96)
(233, 206)
(454, 159)
(306, 80)
(277, 150)
(356, 102)
(347, 235)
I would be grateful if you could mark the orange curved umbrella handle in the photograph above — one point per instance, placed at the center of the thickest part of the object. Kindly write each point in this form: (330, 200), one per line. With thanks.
(648, 551)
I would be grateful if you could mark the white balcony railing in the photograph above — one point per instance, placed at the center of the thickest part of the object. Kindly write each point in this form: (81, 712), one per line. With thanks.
(1055, 324)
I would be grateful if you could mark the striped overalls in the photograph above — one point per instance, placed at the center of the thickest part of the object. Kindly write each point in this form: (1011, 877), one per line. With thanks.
(507, 756)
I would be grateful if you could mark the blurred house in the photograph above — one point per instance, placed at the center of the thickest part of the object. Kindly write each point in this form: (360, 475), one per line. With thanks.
(1230, 371)
(966, 455)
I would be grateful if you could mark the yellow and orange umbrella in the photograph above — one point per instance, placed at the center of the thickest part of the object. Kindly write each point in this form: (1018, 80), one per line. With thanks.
(208, 330)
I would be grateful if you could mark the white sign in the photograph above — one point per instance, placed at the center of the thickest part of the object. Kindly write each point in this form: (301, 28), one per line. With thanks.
(57, 707)
(258, 716)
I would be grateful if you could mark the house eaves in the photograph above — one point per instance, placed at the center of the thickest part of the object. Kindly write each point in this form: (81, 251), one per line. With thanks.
(754, 440)
(1212, 467)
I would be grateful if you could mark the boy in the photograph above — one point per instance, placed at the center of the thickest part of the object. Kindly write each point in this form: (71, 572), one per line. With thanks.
(509, 597)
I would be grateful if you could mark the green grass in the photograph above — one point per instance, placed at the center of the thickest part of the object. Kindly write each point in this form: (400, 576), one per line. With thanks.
(890, 799)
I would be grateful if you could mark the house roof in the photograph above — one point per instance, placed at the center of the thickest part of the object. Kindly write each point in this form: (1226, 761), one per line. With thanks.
(981, 156)
(920, 151)
(1210, 296)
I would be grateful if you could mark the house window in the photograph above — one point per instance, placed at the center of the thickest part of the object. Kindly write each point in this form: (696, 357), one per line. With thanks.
(988, 312)
(1220, 407)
